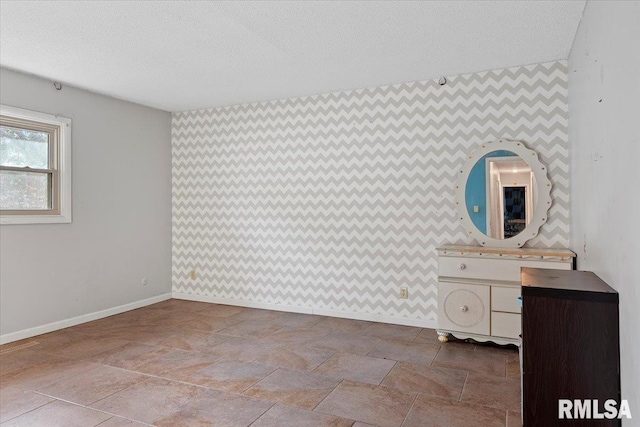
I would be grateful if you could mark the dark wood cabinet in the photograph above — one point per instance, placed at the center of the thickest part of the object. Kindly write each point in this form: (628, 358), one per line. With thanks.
(570, 344)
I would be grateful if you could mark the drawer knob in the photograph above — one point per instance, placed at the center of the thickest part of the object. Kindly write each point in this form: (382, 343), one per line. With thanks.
(462, 266)
(464, 308)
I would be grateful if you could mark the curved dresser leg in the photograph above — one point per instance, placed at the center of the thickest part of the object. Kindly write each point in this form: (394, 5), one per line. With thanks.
(443, 336)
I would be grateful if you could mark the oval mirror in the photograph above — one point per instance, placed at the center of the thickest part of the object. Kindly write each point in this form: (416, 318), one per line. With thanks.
(503, 194)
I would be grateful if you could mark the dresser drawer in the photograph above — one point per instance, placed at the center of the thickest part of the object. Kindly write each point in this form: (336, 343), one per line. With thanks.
(492, 268)
(505, 299)
(505, 325)
(463, 308)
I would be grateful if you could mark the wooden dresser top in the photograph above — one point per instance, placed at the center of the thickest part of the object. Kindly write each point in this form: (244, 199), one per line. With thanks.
(572, 284)
(560, 253)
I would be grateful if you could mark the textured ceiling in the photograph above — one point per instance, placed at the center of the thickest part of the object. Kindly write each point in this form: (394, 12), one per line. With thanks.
(188, 55)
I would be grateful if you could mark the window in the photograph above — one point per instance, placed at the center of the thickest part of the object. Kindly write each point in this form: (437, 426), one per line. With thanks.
(35, 167)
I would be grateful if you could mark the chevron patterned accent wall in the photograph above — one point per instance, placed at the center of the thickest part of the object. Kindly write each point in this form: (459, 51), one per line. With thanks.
(331, 203)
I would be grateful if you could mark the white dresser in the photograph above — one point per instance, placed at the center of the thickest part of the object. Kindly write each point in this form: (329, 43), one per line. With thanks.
(479, 289)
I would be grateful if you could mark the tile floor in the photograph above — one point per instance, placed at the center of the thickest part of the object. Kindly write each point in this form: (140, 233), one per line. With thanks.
(181, 363)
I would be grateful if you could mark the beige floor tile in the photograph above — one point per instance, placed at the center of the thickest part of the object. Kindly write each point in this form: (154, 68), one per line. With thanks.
(90, 328)
(251, 329)
(388, 331)
(120, 422)
(469, 360)
(429, 411)
(340, 325)
(172, 303)
(192, 340)
(59, 414)
(191, 306)
(298, 357)
(39, 375)
(346, 343)
(54, 339)
(229, 375)
(416, 378)
(134, 317)
(245, 349)
(513, 366)
(171, 319)
(295, 335)
(295, 388)
(146, 334)
(157, 310)
(355, 368)
(19, 345)
(130, 355)
(176, 363)
(254, 314)
(150, 400)
(219, 310)
(498, 350)
(208, 323)
(280, 358)
(491, 391)
(77, 346)
(289, 416)
(405, 351)
(92, 385)
(427, 336)
(298, 320)
(514, 419)
(14, 402)
(17, 360)
(216, 409)
(378, 405)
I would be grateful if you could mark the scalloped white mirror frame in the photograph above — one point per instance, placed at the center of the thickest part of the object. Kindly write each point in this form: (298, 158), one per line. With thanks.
(543, 196)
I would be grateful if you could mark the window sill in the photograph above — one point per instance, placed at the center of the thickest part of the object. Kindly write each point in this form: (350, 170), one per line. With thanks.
(34, 219)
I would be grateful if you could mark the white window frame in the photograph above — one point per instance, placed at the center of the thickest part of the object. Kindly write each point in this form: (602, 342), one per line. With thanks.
(62, 213)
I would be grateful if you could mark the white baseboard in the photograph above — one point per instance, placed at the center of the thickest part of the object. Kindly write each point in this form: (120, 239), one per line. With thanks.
(372, 317)
(241, 303)
(50, 327)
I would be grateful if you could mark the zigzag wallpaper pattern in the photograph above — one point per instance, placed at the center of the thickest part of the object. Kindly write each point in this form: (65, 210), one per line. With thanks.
(335, 201)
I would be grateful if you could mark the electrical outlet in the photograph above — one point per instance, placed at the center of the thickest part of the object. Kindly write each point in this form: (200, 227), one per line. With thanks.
(404, 292)
(193, 275)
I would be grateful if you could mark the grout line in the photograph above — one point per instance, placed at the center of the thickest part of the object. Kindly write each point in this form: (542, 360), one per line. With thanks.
(150, 376)
(409, 411)
(506, 363)
(466, 378)
(30, 410)
(261, 415)
(435, 356)
(277, 368)
(416, 337)
(395, 363)
(91, 408)
(324, 398)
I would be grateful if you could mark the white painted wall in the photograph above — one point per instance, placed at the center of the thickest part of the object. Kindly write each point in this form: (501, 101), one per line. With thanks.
(604, 132)
(121, 229)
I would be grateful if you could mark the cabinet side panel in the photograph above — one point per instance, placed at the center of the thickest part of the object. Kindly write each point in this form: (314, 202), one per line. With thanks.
(570, 351)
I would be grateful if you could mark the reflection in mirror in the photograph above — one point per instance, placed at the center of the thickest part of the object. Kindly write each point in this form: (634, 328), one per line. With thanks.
(500, 194)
